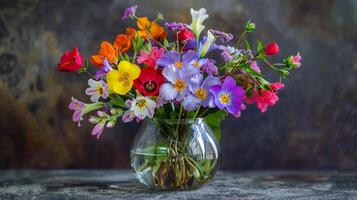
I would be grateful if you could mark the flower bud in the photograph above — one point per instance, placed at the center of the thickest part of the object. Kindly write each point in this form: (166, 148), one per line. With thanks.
(250, 26)
(94, 120)
(271, 49)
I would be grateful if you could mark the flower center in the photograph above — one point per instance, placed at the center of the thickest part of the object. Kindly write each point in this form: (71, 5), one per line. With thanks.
(141, 103)
(150, 86)
(196, 64)
(179, 64)
(201, 93)
(100, 90)
(225, 98)
(179, 85)
(125, 79)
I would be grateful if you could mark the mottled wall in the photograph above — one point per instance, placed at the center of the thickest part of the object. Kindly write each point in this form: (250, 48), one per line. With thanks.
(313, 126)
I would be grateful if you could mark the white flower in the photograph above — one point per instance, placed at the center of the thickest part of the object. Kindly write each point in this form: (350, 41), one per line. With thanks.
(209, 41)
(96, 90)
(198, 16)
(140, 108)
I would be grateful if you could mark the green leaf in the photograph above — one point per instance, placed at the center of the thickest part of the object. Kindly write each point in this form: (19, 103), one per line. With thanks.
(260, 46)
(166, 43)
(247, 45)
(117, 100)
(214, 122)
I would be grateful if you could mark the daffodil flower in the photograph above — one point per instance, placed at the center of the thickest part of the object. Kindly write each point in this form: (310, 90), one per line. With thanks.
(121, 81)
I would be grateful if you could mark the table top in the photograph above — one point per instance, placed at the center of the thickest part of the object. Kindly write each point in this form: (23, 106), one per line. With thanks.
(122, 184)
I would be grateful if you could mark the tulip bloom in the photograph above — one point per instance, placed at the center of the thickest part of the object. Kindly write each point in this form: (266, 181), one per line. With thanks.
(70, 61)
(271, 49)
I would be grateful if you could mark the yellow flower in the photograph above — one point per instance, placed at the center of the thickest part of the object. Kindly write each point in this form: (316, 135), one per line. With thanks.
(121, 81)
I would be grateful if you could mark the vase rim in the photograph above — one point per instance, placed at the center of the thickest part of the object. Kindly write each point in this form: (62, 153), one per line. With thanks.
(178, 121)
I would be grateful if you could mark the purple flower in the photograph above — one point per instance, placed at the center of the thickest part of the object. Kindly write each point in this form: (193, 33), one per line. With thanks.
(178, 79)
(222, 36)
(81, 109)
(102, 71)
(173, 58)
(129, 12)
(199, 92)
(209, 67)
(78, 107)
(228, 96)
(174, 26)
(98, 129)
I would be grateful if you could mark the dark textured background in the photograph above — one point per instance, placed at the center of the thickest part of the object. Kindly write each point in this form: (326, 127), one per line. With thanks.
(313, 126)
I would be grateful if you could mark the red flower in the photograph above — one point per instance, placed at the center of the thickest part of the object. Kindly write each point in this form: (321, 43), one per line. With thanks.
(70, 61)
(185, 34)
(149, 81)
(271, 49)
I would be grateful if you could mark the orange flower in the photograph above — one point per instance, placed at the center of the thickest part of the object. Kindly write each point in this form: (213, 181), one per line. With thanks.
(150, 29)
(106, 51)
(130, 32)
(122, 43)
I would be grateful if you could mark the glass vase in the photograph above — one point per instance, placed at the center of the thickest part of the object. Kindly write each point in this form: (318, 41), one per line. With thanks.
(175, 154)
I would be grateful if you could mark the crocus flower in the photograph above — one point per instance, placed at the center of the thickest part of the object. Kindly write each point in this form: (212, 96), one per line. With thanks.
(96, 90)
(129, 12)
(209, 67)
(228, 95)
(199, 92)
(271, 49)
(139, 108)
(150, 29)
(174, 26)
(70, 61)
(81, 109)
(149, 59)
(198, 16)
(149, 81)
(222, 36)
(106, 51)
(296, 60)
(103, 70)
(173, 58)
(121, 81)
(178, 79)
(122, 43)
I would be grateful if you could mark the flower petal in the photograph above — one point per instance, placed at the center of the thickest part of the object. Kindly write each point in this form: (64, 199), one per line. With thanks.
(168, 91)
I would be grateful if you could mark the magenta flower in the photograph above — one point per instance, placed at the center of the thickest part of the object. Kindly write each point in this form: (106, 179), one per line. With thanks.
(254, 66)
(297, 60)
(98, 129)
(129, 12)
(150, 59)
(228, 95)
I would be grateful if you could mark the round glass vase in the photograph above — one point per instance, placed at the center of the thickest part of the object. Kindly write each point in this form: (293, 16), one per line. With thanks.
(175, 154)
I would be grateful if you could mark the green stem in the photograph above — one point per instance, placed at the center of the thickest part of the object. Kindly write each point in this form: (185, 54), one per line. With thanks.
(241, 37)
(89, 74)
(270, 65)
(196, 113)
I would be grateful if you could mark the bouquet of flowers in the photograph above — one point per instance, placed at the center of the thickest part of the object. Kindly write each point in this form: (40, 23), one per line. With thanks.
(176, 71)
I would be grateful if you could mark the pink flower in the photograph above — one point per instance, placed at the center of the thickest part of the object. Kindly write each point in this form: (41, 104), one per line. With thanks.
(269, 98)
(253, 98)
(149, 59)
(277, 86)
(297, 60)
(78, 107)
(254, 66)
(98, 129)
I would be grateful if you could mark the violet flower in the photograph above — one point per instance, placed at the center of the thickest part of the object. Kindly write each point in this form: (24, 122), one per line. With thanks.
(199, 92)
(174, 26)
(103, 70)
(228, 96)
(222, 36)
(81, 109)
(209, 67)
(129, 12)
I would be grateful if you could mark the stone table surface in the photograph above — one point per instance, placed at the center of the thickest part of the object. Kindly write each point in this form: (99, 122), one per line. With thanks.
(121, 184)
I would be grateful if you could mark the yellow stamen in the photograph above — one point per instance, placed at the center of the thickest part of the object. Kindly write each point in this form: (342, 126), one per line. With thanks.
(141, 103)
(196, 64)
(201, 93)
(179, 85)
(100, 90)
(179, 64)
(225, 98)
